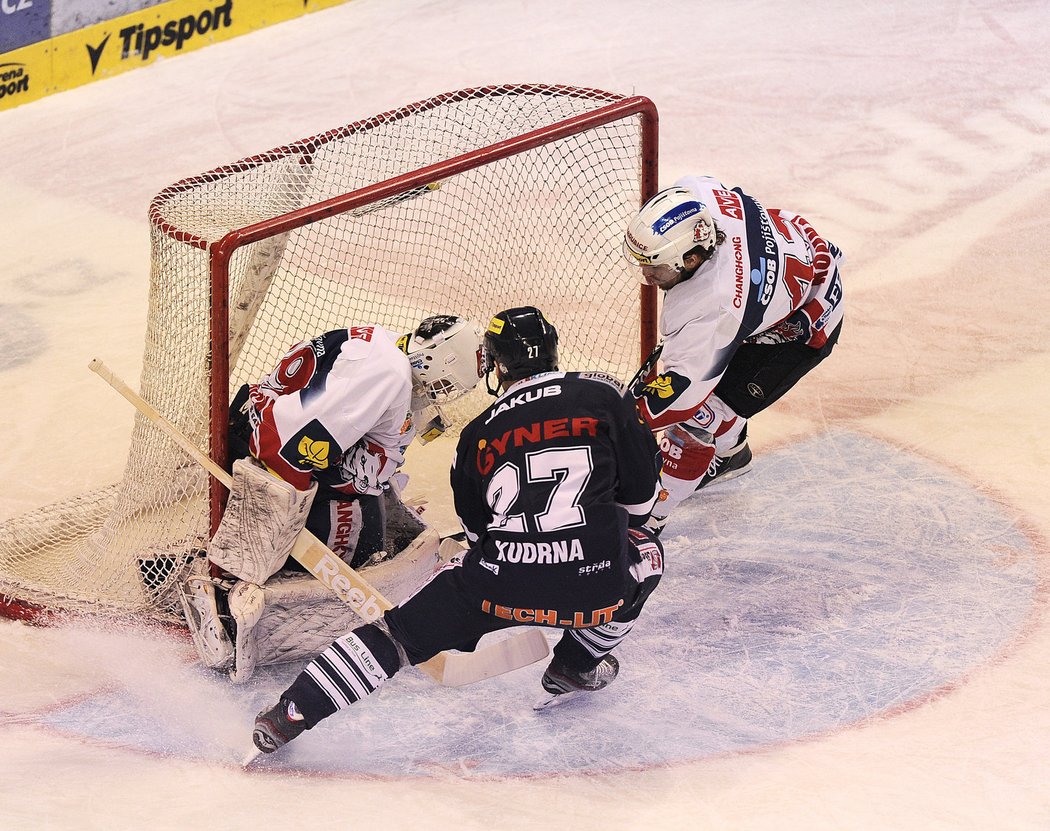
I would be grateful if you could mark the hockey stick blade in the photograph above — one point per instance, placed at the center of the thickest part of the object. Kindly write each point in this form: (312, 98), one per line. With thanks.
(515, 652)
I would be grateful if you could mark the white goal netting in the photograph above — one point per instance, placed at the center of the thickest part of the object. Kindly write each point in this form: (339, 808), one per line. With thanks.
(504, 196)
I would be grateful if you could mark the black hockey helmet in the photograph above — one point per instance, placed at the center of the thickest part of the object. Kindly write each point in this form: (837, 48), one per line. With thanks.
(518, 343)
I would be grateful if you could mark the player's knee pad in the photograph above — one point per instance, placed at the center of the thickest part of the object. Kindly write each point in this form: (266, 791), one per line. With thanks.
(684, 456)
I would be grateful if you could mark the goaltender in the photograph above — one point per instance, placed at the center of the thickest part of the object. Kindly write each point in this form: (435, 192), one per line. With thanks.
(316, 444)
(552, 484)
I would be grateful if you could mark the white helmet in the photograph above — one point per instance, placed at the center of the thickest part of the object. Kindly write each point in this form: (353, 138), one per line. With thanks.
(445, 354)
(669, 226)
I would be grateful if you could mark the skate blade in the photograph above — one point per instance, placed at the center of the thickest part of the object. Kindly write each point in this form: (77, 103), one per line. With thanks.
(549, 700)
(251, 757)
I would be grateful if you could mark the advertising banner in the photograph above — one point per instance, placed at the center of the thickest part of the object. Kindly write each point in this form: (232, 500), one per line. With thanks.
(25, 75)
(133, 40)
(23, 22)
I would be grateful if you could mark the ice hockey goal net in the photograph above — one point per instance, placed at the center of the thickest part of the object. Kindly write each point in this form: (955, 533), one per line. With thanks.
(466, 203)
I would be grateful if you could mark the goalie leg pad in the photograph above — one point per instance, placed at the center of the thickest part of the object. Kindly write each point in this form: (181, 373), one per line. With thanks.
(302, 617)
(246, 601)
(262, 520)
(300, 620)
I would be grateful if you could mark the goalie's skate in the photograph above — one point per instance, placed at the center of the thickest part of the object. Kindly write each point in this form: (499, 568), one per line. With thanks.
(563, 684)
(277, 726)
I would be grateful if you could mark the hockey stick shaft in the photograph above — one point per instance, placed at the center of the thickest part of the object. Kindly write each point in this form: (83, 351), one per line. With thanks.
(348, 584)
(645, 372)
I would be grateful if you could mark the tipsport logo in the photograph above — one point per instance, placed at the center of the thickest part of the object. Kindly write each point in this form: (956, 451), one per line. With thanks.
(142, 41)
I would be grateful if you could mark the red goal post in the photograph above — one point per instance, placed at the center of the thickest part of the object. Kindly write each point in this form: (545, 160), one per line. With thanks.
(466, 203)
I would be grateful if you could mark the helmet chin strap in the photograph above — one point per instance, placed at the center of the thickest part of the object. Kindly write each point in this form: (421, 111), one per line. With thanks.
(493, 391)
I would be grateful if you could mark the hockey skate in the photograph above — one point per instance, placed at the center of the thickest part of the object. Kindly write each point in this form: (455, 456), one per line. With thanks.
(277, 726)
(734, 463)
(656, 524)
(563, 684)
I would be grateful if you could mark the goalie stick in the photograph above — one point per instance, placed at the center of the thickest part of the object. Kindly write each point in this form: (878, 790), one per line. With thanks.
(454, 669)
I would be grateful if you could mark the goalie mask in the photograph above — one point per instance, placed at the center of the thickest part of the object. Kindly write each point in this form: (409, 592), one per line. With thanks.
(669, 226)
(445, 354)
(519, 342)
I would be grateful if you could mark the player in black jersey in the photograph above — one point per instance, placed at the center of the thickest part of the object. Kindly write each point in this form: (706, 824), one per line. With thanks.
(552, 484)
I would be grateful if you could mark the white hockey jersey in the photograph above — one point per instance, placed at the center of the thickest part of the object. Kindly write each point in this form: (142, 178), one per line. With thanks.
(336, 410)
(773, 280)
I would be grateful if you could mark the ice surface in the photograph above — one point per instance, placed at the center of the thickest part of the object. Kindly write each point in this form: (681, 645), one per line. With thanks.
(853, 636)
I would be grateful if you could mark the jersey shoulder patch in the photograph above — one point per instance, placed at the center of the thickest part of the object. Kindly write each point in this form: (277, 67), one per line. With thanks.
(311, 449)
(660, 393)
(603, 378)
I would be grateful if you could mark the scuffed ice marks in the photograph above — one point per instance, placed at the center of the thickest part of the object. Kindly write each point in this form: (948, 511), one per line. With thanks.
(840, 580)
(152, 696)
(852, 590)
(21, 338)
